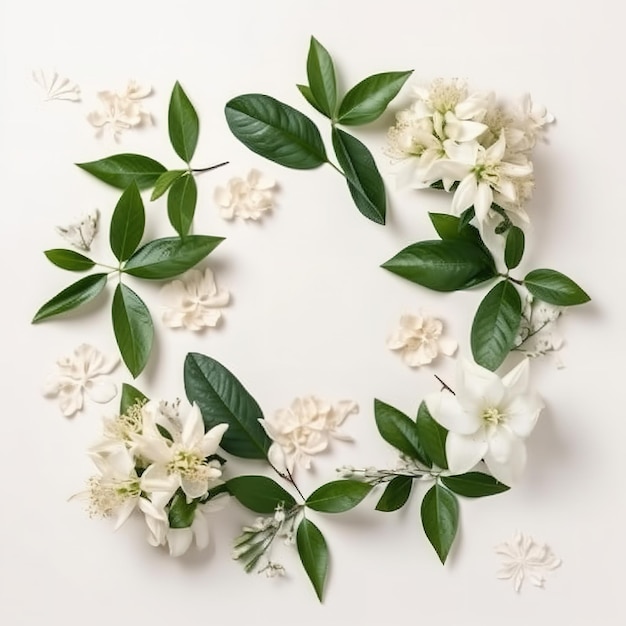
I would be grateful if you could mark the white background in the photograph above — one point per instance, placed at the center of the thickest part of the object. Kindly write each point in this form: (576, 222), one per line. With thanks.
(311, 309)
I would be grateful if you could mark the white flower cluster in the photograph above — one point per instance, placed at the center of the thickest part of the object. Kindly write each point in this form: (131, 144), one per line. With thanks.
(470, 143)
(155, 460)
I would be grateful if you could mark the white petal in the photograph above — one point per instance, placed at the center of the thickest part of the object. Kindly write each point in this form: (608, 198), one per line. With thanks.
(482, 200)
(522, 413)
(193, 428)
(509, 472)
(445, 409)
(193, 488)
(101, 391)
(125, 511)
(211, 441)
(71, 400)
(464, 451)
(448, 345)
(516, 380)
(157, 478)
(465, 194)
(277, 458)
(200, 530)
(179, 540)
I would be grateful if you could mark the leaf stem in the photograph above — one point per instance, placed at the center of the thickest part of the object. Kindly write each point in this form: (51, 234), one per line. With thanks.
(211, 167)
(288, 477)
(513, 280)
(336, 168)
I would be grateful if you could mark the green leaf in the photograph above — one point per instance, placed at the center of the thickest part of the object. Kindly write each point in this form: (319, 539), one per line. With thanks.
(305, 90)
(474, 485)
(555, 288)
(120, 170)
(514, 247)
(368, 100)
(400, 431)
(69, 260)
(432, 436)
(467, 216)
(181, 512)
(223, 399)
(496, 325)
(440, 518)
(259, 493)
(127, 223)
(170, 256)
(313, 553)
(321, 74)
(451, 228)
(364, 181)
(276, 131)
(183, 124)
(165, 181)
(338, 496)
(72, 297)
(130, 396)
(396, 494)
(181, 204)
(133, 328)
(445, 265)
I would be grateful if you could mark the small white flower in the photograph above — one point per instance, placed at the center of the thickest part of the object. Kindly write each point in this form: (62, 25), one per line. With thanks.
(84, 372)
(193, 301)
(248, 198)
(538, 332)
(56, 87)
(488, 418)
(305, 429)
(523, 557)
(419, 339)
(81, 233)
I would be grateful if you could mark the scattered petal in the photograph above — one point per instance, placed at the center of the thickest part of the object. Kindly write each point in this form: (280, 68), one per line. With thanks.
(56, 87)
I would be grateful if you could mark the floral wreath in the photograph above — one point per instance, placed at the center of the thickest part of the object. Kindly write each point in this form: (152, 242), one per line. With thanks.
(468, 438)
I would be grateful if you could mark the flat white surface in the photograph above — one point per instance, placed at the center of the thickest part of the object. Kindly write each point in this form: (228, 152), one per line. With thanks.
(311, 309)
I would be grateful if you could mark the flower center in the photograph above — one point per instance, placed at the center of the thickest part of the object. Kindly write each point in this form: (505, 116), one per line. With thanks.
(493, 415)
(106, 497)
(189, 464)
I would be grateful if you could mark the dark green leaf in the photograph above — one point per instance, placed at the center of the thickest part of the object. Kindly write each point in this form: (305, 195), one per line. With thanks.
(474, 485)
(338, 496)
(305, 90)
(466, 217)
(165, 181)
(321, 74)
(120, 170)
(396, 494)
(73, 296)
(400, 431)
(514, 247)
(183, 124)
(127, 223)
(181, 512)
(432, 436)
(364, 180)
(440, 518)
(496, 325)
(555, 288)
(259, 493)
(69, 260)
(313, 553)
(451, 228)
(367, 101)
(181, 204)
(223, 399)
(170, 256)
(445, 265)
(130, 396)
(276, 131)
(133, 328)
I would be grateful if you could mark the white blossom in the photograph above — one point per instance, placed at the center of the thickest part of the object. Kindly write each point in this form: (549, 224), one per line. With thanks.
(538, 333)
(81, 232)
(248, 198)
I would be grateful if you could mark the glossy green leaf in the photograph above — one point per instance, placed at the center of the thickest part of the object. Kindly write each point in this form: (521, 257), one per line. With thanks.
(368, 100)
(496, 325)
(223, 399)
(445, 265)
(170, 256)
(338, 496)
(396, 494)
(514, 247)
(133, 328)
(313, 553)
(474, 485)
(69, 260)
(72, 297)
(432, 436)
(555, 288)
(440, 519)
(127, 223)
(364, 181)
(276, 131)
(467, 216)
(259, 493)
(321, 74)
(183, 124)
(120, 170)
(181, 204)
(451, 228)
(130, 396)
(305, 90)
(165, 181)
(181, 512)
(400, 431)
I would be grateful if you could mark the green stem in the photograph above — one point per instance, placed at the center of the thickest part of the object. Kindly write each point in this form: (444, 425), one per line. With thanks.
(335, 167)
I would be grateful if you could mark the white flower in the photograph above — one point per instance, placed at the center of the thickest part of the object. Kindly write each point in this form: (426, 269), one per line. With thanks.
(488, 418)
(82, 232)
(523, 557)
(419, 339)
(247, 198)
(84, 372)
(305, 429)
(56, 87)
(538, 332)
(193, 301)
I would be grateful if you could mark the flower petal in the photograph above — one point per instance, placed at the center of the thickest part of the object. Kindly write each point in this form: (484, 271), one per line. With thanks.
(464, 451)
(510, 471)
(179, 540)
(100, 391)
(446, 409)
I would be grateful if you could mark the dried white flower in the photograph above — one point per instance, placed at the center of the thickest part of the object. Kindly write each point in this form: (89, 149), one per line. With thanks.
(84, 372)
(81, 233)
(523, 557)
(247, 198)
(56, 87)
(193, 301)
(538, 333)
